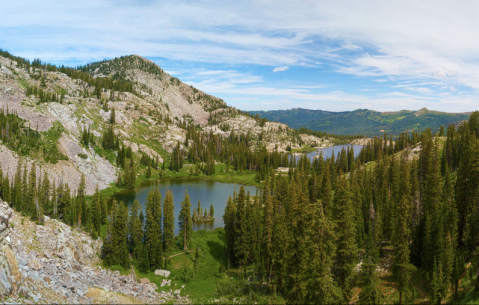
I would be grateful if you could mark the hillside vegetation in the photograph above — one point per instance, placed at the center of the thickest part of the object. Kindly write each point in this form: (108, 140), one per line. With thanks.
(112, 119)
(363, 121)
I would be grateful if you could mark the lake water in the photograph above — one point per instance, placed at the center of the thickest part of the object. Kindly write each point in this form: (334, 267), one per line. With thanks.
(328, 151)
(208, 192)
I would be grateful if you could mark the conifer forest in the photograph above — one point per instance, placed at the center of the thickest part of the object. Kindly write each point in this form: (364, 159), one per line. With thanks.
(119, 183)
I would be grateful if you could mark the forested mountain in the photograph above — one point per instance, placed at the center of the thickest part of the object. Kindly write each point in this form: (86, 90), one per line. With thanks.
(396, 223)
(363, 121)
(94, 119)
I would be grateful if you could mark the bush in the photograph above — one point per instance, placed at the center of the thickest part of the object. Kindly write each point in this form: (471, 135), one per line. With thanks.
(83, 156)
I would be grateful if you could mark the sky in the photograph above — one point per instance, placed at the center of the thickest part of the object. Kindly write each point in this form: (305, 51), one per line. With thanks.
(266, 55)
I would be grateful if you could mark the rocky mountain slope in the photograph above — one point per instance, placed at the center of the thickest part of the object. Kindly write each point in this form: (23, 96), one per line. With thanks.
(364, 121)
(152, 112)
(53, 263)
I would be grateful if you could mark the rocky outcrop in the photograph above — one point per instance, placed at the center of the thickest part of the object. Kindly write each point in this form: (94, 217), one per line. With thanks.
(52, 263)
(9, 273)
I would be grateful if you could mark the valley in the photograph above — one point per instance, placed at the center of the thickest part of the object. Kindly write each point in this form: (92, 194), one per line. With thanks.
(122, 184)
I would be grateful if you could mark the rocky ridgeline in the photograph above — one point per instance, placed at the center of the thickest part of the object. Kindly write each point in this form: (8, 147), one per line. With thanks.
(52, 263)
(276, 137)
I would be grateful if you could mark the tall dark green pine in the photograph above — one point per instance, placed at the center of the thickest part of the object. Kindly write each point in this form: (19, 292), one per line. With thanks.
(320, 245)
(229, 221)
(268, 219)
(241, 243)
(326, 192)
(135, 230)
(370, 294)
(153, 234)
(184, 221)
(402, 267)
(168, 222)
(104, 211)
(95, 212)
(32, 191)
(346, 253)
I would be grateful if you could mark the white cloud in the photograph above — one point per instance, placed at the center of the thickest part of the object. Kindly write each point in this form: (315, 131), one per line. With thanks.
(387, 41)
(280, 69)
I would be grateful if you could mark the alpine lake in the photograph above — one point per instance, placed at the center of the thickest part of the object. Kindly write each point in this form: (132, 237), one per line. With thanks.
(206, 191)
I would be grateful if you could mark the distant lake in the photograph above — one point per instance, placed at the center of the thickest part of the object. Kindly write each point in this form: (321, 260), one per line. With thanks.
(328, 151)
(208, 192)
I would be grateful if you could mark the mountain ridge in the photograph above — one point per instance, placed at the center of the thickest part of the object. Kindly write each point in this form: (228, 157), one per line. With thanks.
(363, 121)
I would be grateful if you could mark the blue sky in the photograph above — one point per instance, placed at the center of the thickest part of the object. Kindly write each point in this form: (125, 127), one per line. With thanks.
(264, 55)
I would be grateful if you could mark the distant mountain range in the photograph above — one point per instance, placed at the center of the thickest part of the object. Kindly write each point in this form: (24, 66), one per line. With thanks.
(363, 121)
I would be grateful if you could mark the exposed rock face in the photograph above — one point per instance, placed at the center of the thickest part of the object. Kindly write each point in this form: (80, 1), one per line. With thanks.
(9, 273)
(52, 263)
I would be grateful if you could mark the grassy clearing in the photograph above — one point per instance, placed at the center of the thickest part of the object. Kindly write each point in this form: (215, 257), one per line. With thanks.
(205, 284)
(200, 284)
(304, 149)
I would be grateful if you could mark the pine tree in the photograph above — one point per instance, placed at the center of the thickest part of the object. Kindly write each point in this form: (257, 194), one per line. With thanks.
(437, 283)
(148, 172)
(135, 230)
(112, 116)
(402, 268)
(320, 245)
(212, 211)
(104, 211)
(326, 192)
(82, 204)
(229, 221)
(240, 246)
(184, 220)
(153, 234)
(144, 264)
(32, 190)
(168, 222)
(268, 218)
(114, 251)
(370, 294)
(121, 234)
(130, 176)
(96, 211)
(346, 252)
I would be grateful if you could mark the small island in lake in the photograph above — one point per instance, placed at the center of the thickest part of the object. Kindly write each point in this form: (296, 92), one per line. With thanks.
(203, 215)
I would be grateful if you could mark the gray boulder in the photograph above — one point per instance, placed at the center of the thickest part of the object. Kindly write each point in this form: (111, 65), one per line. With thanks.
(164, 273)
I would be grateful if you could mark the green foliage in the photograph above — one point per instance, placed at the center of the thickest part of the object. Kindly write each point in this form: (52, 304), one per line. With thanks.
(168, 222)
(16, 136)
(184, 220)
(153, 232)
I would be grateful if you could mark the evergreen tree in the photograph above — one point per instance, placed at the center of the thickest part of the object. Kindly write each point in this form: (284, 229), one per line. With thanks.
(153, 233)
(212, 211)
(104, 211)
(370, 294)
(114, 251)
(437, 284)
(402, 268)
(326, 192)
(229, 221)
(96, 211)
(320, 245)
(240, 246)
(143, 265)
(346, 252)
(82, 204)
(184, 220)
(168, 222)
(268, 226)
(135, 230)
